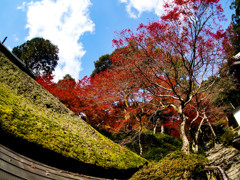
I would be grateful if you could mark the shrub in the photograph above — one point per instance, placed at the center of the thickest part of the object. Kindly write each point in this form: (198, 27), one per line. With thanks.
(155, 146)
(228, 136)
(156, 154)
(175, 165)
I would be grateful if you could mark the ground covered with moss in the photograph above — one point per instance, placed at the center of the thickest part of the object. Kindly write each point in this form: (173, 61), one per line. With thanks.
(29, 112)
(175, 165)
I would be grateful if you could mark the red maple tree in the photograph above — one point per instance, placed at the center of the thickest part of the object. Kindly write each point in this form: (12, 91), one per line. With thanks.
(173, 57)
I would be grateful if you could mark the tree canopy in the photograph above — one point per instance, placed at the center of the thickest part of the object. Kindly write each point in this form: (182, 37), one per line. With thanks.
(39, 55)
(103, 63)
(173, 57)
(162, 76)
(235, 39)
(236, 25)
(229, 82)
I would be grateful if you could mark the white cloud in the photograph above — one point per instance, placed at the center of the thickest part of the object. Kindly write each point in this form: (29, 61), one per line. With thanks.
(141, 6)
(63, 22)
(22, 7)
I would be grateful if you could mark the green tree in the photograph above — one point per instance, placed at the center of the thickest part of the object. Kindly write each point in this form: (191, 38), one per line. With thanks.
(227, 93)
(235, 39)
(229, 79)
(236, 25)
(68, 77)
(103, 63)
(67, 82)
(39, 55)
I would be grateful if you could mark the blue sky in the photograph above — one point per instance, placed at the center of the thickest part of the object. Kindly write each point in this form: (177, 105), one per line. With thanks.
(82, 29)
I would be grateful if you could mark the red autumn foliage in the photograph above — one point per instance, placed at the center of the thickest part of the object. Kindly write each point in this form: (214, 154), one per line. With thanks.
(173, 57)
(159, 71)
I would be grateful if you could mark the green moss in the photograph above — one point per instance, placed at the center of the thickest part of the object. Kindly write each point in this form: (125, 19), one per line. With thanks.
(228, 136)
(176, 165)
(30, 112)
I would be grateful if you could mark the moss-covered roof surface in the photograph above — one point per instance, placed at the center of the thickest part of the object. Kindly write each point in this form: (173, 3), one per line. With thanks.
(30, 112)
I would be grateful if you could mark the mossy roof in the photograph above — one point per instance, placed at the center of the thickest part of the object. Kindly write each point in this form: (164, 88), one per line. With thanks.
(30, 112)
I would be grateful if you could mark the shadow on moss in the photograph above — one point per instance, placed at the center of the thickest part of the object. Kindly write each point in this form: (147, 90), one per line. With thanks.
(50, 158)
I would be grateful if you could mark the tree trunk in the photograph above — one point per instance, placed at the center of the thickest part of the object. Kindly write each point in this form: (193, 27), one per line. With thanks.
(195, 147)
(155, 126)
(185, 141)
(139, 136)
(154, 129)
(195, 142)
(139, 142)
(162, 129)
(213, 132)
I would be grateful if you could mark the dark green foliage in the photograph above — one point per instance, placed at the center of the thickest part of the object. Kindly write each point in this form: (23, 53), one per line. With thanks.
(236, 27)
(103, 63)
(228, 136)
(235, 39)
(230, 97)
(176, 165)
(156, 153)
(68, 77)
(227, 86)
(155, 146)
(40, 55)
